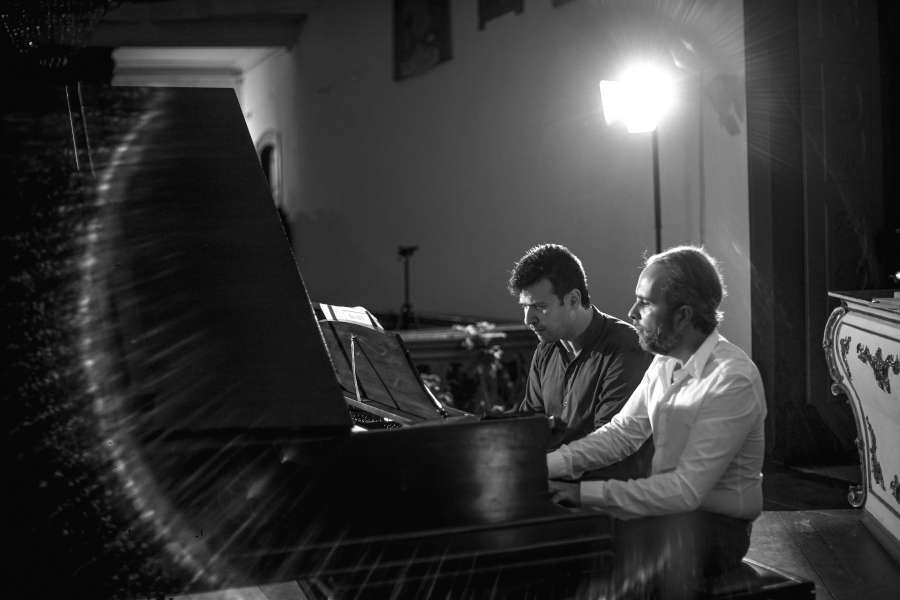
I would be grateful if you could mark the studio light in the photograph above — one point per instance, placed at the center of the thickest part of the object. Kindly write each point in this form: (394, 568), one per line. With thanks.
(640, 98)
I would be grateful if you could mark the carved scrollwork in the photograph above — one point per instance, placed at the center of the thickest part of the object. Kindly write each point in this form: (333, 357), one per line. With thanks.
(828, 343)
(881, 367)
(877, 475)
(856, 495)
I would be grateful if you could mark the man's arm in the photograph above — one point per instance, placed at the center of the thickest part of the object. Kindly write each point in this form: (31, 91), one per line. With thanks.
(622, 374)
(724, 420)
(614, 441)
(533, 402)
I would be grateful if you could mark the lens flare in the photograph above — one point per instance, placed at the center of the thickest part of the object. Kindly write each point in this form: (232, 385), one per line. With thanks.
(639, 98)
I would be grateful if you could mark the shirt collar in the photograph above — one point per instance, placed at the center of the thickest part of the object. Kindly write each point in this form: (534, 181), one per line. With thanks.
(590, 335)
(697, 361)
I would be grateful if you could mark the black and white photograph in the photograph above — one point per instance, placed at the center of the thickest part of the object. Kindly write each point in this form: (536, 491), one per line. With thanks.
(451, 299)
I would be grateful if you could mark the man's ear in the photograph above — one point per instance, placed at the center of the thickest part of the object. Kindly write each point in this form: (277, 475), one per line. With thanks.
(573, 298)
(684, 315)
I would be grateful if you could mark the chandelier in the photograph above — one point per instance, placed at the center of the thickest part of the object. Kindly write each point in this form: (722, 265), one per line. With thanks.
(49, 32)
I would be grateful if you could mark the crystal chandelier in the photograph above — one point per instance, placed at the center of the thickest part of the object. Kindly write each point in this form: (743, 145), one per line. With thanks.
(49, 32)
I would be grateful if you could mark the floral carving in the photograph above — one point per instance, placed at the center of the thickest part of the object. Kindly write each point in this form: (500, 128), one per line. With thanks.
(881, 367)
(845, 348)
(856, 494)
(876, 466)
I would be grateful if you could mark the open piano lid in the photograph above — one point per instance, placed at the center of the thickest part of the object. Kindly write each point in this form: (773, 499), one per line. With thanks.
(206, 272)
(150, 296)
(213, 317)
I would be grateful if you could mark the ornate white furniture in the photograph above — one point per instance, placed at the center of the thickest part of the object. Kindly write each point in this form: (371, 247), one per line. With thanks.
(862, 347)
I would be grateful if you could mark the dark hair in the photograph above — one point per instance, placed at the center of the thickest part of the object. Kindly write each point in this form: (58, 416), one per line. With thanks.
(692, 279)
(555, 263)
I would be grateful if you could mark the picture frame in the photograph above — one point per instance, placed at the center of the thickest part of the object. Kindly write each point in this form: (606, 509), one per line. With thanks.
(422, 36)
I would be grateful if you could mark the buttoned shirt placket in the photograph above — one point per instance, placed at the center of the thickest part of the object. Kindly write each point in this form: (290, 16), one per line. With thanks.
(568, 376)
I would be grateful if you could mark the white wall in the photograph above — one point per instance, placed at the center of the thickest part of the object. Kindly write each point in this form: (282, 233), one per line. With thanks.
(726, 216)
(498, 149)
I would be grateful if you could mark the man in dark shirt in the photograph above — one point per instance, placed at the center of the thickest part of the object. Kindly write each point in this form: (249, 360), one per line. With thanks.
(587, 363)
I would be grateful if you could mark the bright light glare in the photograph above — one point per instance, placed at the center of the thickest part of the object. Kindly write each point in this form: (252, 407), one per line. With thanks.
(640, 98)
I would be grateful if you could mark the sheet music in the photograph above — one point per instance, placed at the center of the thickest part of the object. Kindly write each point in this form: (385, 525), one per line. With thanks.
(350, 314)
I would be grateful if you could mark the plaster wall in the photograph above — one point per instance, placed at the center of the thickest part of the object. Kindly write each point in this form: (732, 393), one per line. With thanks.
(500, 148)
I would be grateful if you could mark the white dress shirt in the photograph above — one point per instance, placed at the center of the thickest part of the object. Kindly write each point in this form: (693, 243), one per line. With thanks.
(706, 417)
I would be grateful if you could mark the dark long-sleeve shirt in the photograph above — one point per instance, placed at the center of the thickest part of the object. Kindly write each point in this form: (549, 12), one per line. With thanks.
(587, 391)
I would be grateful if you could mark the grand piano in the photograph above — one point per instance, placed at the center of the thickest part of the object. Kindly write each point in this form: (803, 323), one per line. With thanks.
(181, 421)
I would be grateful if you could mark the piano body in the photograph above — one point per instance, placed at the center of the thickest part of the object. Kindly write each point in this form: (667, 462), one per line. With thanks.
(179, 417)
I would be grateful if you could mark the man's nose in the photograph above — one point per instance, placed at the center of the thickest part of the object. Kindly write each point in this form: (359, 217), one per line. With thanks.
(632, 312)
(530, 315)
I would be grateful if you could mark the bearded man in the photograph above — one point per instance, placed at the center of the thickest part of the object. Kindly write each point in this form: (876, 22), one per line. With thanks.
(702, 401)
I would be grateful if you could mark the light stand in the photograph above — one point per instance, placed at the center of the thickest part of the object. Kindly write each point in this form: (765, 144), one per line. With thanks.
(640, 99)
(657, 205)
(407, 316)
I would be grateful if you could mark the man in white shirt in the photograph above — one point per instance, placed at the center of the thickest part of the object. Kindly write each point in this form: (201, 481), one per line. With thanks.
(702, 401)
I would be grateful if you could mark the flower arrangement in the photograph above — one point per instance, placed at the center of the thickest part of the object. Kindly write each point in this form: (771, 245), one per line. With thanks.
(481, 385)
(492, 386)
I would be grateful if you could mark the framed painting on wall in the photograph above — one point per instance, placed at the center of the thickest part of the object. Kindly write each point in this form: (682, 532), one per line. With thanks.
(421, 36)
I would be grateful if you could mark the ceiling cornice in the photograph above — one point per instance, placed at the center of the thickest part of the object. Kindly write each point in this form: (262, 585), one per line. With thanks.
(203, 23)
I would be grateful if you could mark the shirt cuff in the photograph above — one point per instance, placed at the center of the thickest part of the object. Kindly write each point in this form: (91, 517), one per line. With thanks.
(559, 463)
(600, 495)
(593, 494)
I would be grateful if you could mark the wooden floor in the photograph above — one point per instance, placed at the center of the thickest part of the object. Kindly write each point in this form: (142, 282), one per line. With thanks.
(807, 529)
(830, 547)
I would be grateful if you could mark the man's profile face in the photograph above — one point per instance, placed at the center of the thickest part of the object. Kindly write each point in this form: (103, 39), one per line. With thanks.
(544, 312)
(650, 315)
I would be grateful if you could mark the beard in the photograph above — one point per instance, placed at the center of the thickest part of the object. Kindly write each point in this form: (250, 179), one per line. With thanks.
(660, 340)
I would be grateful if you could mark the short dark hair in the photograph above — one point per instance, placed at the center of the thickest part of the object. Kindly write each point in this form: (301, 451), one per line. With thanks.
(555, 263)
(692, 279)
